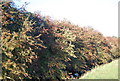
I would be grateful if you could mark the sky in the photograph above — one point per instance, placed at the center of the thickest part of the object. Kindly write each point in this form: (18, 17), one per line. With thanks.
(102, 15)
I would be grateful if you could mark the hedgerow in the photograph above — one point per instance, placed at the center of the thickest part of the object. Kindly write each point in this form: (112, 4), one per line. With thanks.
(37, 47)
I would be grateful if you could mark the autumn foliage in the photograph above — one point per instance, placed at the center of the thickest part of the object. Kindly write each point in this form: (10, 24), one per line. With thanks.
(37, 47)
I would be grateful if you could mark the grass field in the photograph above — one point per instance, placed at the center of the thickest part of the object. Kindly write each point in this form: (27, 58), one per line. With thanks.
(107, 71)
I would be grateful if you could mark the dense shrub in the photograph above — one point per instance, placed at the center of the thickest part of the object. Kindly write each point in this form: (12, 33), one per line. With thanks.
(37, 47)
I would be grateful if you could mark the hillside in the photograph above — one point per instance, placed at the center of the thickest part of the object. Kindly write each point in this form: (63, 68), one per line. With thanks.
(37, 47)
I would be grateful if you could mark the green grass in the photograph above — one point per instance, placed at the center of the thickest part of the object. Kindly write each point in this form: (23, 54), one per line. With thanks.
(107, 71)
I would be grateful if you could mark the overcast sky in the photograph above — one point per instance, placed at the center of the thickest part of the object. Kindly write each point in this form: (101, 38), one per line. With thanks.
(102, 15)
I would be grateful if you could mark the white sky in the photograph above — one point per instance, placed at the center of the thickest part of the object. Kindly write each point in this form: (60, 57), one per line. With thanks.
(102, 15)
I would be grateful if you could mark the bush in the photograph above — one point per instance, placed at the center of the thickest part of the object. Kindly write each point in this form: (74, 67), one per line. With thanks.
(37, 47)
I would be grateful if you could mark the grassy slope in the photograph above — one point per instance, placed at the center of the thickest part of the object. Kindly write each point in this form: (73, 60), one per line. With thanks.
(107, 71)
